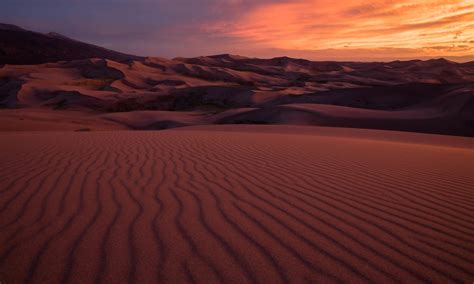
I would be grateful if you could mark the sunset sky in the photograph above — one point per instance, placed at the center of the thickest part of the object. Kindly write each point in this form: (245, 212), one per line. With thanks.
(314, 29)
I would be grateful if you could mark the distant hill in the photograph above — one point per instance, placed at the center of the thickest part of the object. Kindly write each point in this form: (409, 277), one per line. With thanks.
(19, 46)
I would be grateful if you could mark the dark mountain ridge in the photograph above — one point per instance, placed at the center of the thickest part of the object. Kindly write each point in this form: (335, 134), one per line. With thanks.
(22, 47)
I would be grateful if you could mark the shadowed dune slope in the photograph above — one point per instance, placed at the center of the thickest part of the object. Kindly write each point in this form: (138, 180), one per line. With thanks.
(236, 204)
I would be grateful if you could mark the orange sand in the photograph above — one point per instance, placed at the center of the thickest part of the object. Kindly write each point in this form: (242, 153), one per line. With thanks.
(248, 205)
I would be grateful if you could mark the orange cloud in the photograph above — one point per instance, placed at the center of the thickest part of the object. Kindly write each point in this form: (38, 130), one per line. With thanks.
(420, 27)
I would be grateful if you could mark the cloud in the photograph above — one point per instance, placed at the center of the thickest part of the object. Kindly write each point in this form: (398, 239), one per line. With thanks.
(377, 25)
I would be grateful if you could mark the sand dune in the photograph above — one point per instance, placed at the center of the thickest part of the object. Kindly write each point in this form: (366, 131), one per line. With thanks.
(236, 204)
(34, 119)
(106, 91)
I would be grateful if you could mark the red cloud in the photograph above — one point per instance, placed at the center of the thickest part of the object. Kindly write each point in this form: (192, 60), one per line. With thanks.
(313, 25)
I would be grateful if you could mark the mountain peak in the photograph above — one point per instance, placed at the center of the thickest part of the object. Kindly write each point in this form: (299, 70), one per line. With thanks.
(227, 56)
(20, 46)
(57, 35)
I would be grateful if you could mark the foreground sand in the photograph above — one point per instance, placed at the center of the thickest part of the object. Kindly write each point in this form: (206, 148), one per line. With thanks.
(236, 204)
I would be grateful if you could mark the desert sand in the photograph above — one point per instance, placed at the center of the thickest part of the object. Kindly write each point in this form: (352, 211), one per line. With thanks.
(236, 204)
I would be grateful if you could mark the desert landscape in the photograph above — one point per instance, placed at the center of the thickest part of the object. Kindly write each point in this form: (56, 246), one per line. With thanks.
(96, 89)
(117, 168)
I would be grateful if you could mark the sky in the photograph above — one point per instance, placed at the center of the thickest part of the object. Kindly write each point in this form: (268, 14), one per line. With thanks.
(357, 30)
